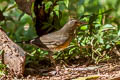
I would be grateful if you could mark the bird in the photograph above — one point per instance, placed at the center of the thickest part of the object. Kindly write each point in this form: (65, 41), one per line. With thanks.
(58, 40)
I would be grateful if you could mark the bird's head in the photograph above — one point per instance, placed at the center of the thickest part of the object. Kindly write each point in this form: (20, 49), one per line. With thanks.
(73, 23)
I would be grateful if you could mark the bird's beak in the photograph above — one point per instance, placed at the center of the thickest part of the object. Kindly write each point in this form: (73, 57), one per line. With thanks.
(81, 23)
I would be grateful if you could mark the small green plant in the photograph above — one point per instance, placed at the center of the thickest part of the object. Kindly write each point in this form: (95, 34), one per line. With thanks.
(2, 66)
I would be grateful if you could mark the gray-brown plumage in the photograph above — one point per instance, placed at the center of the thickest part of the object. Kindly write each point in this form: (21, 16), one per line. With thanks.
(59, 40)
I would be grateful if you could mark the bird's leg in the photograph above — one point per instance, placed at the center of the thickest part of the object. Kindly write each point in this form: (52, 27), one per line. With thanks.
(50, 54)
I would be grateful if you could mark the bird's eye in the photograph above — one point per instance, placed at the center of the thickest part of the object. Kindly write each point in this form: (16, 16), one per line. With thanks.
(76, 22)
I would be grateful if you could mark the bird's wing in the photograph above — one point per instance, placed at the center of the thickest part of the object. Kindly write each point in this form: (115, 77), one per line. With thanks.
(54, 40)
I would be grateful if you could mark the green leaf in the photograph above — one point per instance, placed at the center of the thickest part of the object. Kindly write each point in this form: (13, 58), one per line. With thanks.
(80, 10)
(108, 46)
(62, 5)
(84, 28)
(1, 52)
(3, 4)
(100, 40)
(56, 10)
(66, 3)
(108, 26)
(47, 5)
(2, 72)
(119, 33)
(2, 66)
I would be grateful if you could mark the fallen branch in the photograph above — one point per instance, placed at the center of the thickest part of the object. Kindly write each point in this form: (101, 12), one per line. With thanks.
(13, 55)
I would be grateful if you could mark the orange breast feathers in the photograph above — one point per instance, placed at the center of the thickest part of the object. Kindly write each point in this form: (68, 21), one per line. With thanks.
(63, 46)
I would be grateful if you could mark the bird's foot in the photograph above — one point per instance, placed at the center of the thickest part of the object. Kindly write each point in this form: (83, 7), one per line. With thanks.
(57, 70)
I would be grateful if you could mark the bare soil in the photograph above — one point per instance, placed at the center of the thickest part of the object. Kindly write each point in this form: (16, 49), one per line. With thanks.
(109, 70)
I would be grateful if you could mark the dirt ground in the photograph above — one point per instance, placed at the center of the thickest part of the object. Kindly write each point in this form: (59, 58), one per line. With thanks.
(109, 70)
